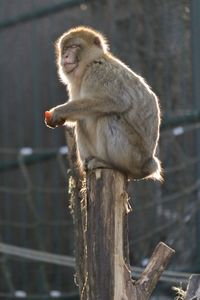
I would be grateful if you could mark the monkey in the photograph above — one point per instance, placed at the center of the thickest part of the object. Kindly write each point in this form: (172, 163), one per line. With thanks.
(115, 113)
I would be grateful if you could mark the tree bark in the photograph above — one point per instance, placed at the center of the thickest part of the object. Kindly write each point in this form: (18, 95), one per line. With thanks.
(107, 275)
(107, 202)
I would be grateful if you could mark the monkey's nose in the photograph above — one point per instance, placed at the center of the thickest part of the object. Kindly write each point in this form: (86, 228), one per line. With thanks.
(68, 58)
(65, 59)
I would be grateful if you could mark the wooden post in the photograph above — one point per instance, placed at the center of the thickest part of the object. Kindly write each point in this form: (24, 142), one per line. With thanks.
(106, 275)
(106, 200)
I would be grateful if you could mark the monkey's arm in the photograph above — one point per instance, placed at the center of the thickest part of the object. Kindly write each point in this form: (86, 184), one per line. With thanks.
(82, 108)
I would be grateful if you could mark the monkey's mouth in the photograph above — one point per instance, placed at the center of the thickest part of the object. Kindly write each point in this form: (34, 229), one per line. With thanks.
(70, 67)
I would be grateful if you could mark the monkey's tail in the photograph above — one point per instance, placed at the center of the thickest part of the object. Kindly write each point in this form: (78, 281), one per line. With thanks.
(152, 169)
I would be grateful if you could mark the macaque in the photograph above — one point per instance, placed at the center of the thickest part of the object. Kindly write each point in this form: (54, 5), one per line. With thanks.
(115, 113)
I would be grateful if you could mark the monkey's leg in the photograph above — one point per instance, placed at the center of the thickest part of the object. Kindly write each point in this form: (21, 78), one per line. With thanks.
(96, 163)
(152, 168)
(149, 169)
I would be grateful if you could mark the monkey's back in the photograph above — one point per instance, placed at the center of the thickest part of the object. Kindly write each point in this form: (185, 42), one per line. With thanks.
(114, 79)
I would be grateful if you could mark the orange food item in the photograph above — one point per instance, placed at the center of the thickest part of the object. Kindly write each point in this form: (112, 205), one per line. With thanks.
(47, 115)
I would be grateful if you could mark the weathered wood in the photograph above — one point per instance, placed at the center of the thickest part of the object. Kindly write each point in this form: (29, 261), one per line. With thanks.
(159, 260)
(107, 200)
(193, 288)
(108, 275)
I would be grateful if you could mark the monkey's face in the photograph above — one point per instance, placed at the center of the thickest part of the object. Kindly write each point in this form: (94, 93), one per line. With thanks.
(74, 51)
(76, 48)
(69, 59)
(69, 55)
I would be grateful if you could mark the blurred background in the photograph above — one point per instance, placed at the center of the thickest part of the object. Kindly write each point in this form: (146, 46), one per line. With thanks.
(160, 40)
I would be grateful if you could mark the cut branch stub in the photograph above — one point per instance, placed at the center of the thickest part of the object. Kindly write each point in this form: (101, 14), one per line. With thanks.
(159, 260)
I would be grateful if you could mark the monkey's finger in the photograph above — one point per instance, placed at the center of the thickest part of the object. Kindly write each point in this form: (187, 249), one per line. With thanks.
(50, 125)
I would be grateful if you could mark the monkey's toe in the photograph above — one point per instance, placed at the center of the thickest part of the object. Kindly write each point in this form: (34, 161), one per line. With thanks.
(96, 163)
(86, 162)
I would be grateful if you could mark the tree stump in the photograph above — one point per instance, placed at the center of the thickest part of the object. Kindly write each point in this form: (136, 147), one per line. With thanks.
(102, 270)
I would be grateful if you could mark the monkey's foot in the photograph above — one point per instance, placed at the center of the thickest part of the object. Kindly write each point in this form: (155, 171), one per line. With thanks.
(92, 163)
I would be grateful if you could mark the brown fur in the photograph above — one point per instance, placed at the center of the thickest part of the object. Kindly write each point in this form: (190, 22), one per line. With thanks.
(115, 113)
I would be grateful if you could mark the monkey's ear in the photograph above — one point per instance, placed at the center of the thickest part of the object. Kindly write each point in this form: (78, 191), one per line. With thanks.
(97, 42)
(101, 42)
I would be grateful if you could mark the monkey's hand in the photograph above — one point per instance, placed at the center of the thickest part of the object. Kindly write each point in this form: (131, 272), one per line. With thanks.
(53, 118)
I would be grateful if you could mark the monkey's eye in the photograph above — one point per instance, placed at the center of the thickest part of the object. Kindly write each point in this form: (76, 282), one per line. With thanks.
(74, 46)
(65, 48)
